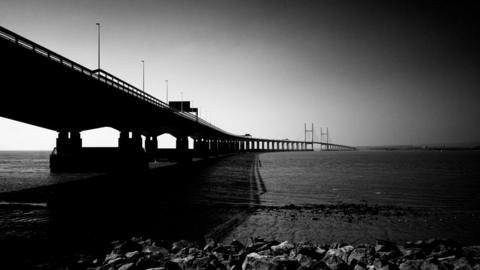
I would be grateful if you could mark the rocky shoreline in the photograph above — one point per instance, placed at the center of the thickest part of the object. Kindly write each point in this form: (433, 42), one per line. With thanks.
(143, 254)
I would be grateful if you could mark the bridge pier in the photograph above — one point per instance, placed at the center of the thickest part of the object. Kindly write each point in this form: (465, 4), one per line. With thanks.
(151, 147)
(182, 154)
(68, 142)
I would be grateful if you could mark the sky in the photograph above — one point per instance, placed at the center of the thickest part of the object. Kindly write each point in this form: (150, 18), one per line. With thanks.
(373, 72)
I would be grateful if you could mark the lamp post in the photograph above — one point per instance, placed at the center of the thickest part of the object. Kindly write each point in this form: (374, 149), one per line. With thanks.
(181, 98)
(166, 82)
(143, 75)
(98, 26)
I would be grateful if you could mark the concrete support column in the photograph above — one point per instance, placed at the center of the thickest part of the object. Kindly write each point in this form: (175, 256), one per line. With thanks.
(182, 153)
(127, 142)
(182, 143)
(68, 142)
(151, 144)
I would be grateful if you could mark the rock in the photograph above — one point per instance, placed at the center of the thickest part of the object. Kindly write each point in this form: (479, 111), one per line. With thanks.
(379, 263)
(172, 266)
(335, 262)
(254, 261)
(127, 266)
(432, 266)
(390, 255)
(127, 246)
(359, 267)
(201, 263)
(471, 251)
(132, 254)
(282, 248)
(115, 261)
(385, 246)
(462, 264)
(147, 262)
(413, 253)
(311, 251)
(283, 263)
(267, 245)
(194, 251)
(237, 245)
(410, 265)
(304, 259)
(315, 266)
(359, 255)
(266, 252)
(156, 251)
(112, 256)
(179, 245)
(210, 245)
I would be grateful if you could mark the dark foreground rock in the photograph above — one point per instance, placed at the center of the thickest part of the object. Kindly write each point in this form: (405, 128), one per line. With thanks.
(143, 254)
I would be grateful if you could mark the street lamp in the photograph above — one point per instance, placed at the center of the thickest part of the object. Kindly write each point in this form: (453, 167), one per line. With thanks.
(166, 81)
(98, 26)
(181, 104)
(143, 82)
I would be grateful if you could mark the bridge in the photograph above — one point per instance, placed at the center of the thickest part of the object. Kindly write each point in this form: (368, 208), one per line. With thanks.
(45, 89)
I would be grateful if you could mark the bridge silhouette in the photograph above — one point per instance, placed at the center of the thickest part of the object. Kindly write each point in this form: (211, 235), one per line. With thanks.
(45, 89)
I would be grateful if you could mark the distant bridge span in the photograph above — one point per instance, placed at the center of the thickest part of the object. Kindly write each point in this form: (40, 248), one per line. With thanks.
(43, 88)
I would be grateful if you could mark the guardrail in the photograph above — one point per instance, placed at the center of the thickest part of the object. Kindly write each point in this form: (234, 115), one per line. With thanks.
(100, 75)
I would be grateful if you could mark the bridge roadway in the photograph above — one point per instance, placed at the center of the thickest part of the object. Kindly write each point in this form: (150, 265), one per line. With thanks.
(45, 89)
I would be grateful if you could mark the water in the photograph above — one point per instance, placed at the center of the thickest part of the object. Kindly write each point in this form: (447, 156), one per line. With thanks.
(403, 178)
(27, 169)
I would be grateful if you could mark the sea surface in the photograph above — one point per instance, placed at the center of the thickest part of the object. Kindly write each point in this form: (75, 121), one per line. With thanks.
(27, 169)
(403, 178)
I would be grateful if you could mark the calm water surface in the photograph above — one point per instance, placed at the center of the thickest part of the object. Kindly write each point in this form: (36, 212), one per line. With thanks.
(404, 178)
(27, 169)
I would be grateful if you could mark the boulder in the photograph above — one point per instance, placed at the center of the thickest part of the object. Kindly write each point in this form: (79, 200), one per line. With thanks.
(147, 262)
(179, 245)
(254, 261)
(335, 262)
(156, 251)
(237, 246)
(285, 263)
(462, 264)
(172, 266)
(385, 246)
(426, 265)
(315, 266)
(413, 253)
(410, 265)
(359, 255)
(128, 266)
(282, 248)
(471, 251)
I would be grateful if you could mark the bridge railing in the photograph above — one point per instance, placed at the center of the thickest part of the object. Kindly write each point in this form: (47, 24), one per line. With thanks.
(116, 82)
(100, 75)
